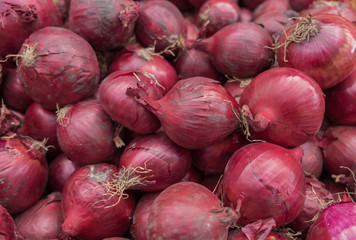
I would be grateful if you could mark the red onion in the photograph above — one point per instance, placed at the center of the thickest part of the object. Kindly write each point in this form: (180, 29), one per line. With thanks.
(340, 101)
(57, 75)
(60, 169)
(130, 114)
(236, 87)
(105, 24)
(322, 46)
(245, 15)
(187, 210)
(20, 18)
(10, 121)
(195, 113)
(43, 220)
(270, 5)
(91, 205)
(213, 159)
(161, 25)
(145, 60)
(63, 6)
(283, 106)
(140, 218)
(239, 49)
(240, 235)
(193, 175)
(23, 172)
(336, 189)
(13, 93)
(299, 5)
(156, 161)
(216, 14)
(192, 34)
(264, 174)
(183, 5)
(8, 229)
(338, 221)
(85, 132)
(193, 63)
(197, 3)
(213, 183)
(312, 161)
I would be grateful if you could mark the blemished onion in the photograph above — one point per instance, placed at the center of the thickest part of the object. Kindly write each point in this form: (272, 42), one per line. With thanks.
(325, 50)
(123, 109)
(216, 14)
(299, 5)
(312, 161)
(145, 60)
(195, 113)
(340, 101)
(162, 25)
(268, 175)
(236, 87)
(8, 229)
(20, 18)
(13, 93)
(193, 175)
(104, 24)
(91, 208)
(239, 49)
(23, 172)
(43, 220)
(60, 169)
(192, 34)
(10, 120)
(139, 224)
(271, 5)
(193, 63)
(245, 15)
(187, 210)
(283, 106)
(240, 235)
(213, 159)
(85, 132)
(156, 160)
(56, 75)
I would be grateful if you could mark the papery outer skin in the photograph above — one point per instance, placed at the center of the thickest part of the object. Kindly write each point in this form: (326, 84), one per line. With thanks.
(312, 161)
(23, 174)
(86, 133)
(62, 74)
(186, 211)
(104, 24)
(8, 229)
(288, 104)
(43, 220)
(82, 191)
(338, 221)
(270, 5)
(167, 163)
(329, 57)
(265, 174)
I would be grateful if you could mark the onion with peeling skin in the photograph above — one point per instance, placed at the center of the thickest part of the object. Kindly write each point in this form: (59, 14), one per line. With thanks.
(8, 229)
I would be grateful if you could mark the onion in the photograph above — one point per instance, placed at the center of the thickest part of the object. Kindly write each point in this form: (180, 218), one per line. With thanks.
(91, 207)
(13, 93)
(240, 235)
(60, 169)
(264, 174)
(245, 15)
(193, 63)
(192, 34)
(195, 113)
(20, 18)
(239, 49)
(156, 161)
(85, 132)
(236, 87)
(213, 159)
(213, 183)
(252, 4)
(340, 101)
(216, 14)
(145, 60)
(193, 175)
(10, 121)
(299, 5)
(336, 189)
(63, 6)
(270, 5)
(283, 106)
(183, 5)
(187, 210)
(7, 226)
(312, 161)
(23, 172)
(43, 220)
(130, 114)
(161, 25)
(140, 218)
(325, 51)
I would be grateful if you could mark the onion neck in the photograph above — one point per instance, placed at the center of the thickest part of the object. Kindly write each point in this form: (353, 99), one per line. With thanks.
(205, 45)
(259, 122)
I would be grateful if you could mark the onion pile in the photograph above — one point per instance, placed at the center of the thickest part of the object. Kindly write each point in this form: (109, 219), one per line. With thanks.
(7, 226)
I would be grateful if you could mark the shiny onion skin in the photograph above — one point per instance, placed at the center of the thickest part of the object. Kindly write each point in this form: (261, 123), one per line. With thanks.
(85, 132)
(20, 18)
(56, 75)
(23, 173)
(89, 212)
(340, 101)
(336, 222)
(328, 56)
(43, 220)
(188, 210)
(104, 24)
(270, 5)
(264, 174)
(195, 113)
(239, 49)
(124, 109)
(312, 161)
(8, 229)
(166, 162)
(283, 106)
